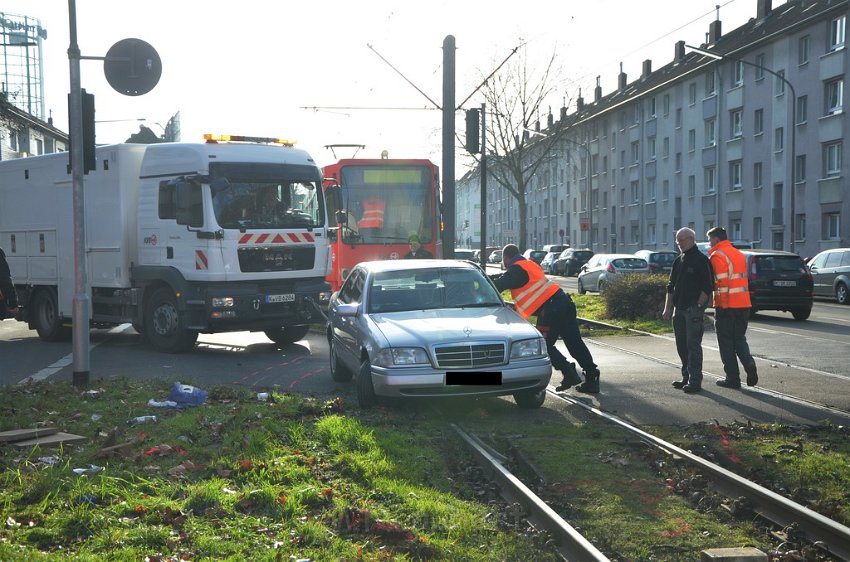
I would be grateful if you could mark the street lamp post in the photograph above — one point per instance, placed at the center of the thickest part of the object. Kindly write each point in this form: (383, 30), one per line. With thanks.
(792, 198)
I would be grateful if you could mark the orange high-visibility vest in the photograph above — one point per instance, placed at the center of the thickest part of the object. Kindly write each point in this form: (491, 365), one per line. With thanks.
(373, 214)
(533, 294)
(731, 283)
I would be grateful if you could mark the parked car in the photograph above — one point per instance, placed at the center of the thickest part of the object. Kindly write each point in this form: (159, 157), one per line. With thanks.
(548, 262)
(427, 328)
(660, 261)
(831, 274)
(604, 269)
(495, 257)
(534, 255)
(464, 254)
(570, 261)
(557, 248)
(779, 281)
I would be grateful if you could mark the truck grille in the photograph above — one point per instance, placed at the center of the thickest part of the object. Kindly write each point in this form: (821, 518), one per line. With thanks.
(479, 355)
(276, 259)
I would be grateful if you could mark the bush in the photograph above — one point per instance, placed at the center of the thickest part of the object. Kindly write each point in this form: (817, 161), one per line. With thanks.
(634, 297)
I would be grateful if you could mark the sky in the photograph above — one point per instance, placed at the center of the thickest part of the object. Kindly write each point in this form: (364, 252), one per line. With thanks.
(335, 72)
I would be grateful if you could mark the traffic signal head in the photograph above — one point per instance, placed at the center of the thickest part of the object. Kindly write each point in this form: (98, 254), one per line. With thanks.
(473, 132)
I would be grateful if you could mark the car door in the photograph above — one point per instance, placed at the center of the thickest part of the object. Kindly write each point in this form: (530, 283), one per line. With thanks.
(346, 329)
(820, 275)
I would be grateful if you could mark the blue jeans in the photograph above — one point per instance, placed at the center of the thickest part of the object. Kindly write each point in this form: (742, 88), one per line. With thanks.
(730, 325)
(688, 328)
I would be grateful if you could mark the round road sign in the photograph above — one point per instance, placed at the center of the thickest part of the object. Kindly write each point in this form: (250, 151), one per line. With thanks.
(132, 67)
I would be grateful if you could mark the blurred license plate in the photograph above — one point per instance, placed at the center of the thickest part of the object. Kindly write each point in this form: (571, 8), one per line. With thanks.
(288, 297)
(784, 283)
(474, 377)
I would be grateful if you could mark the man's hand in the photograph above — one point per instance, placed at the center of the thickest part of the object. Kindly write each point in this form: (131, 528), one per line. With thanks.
(667, 314)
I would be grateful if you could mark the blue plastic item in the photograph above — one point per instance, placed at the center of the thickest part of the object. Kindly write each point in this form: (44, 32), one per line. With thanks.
(187, 396)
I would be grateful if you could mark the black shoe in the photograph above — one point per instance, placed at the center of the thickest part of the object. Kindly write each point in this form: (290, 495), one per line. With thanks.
(691, 388)
(571, 377)
(752, 374)
(726, 383)
(679, 384)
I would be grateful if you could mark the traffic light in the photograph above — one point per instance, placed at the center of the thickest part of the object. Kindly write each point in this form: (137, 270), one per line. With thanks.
(89, 158)
(473, 133)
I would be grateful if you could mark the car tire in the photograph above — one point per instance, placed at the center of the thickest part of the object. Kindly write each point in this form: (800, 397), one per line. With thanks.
(366, 397)
(581, 289)
(601, 287)
(841, 294)
(529, 399)
(45, 316)
(164, 325)
(339, 372)
(801, 314)
(287, 334)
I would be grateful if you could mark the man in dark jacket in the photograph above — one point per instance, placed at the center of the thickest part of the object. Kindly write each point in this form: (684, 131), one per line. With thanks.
(535, 295)
(688, 291)
(8, 296)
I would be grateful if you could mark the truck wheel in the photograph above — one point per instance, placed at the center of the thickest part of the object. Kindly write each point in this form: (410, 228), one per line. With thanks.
(365, 389)
(339, 372)
(163, 325)
(287, 334)
(45, 316)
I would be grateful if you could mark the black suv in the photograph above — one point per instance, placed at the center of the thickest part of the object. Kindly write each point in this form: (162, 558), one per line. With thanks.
(779, 281)
(570, 261)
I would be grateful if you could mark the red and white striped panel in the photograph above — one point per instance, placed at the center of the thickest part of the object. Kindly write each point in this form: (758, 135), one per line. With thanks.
(201, 260)
(270, 238)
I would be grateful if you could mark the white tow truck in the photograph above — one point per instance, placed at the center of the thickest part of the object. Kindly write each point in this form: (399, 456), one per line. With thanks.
(181, 238)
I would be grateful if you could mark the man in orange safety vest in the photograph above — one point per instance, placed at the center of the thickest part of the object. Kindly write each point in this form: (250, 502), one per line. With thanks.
(731, 308)
(373, 213)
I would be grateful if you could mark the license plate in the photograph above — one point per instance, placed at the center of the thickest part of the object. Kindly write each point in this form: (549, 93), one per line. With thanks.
(474, 378)
(288, 297)
(784, 283)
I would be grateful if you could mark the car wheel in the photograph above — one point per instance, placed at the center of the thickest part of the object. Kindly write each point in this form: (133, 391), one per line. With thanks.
(287, 334)
(601, 286)
(163, 324)
(841, 293)
(365, 389)
(581, 289)
(801, 314)
(339, 372)
(533, 398)
(46, 318)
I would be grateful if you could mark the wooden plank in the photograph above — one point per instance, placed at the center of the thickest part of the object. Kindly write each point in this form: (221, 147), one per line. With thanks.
(30, 433)
(50, 440)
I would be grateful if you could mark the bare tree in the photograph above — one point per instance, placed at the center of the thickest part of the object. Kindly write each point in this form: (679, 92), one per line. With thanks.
(515, 99)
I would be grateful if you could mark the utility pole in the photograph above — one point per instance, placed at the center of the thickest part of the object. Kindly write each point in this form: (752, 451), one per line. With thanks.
(483, 211)
(449, 147)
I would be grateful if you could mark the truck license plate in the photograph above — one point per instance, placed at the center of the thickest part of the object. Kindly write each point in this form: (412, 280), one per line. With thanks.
(784, 283)
(288, 297)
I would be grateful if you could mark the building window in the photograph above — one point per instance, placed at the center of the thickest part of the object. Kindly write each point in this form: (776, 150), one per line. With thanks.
(710, 187)
(692, 140)
(756, 229)
(757, 175)
(710, 132)
(836, 32)
(800, 227)
(665, 147)
(678, 117)
(651, 105)
(735, 230)
(803, 50)
(802, 109)
(692, 93)
(635, 234)
(800, 169)
(678, 161)
(832, 159)
(635, 152)
(650, 234)
(665, 189)
(778, 139)
(651, 148)
(832, 226)
(710, 84)
(758, 122)
(736, 174)
(834, 96)
(779, 85)
(666, 105)
(736, 117)
(650, 189)
(692, 186)
(737, 73)
(635, 186)
(760, 66)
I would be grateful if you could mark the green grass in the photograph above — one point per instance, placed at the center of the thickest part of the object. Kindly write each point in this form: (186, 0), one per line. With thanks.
(237, 479)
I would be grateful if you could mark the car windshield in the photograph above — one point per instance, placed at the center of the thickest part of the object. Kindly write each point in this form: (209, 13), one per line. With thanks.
(663, 258)
(630, 263)
(420, 289)
(538, 255)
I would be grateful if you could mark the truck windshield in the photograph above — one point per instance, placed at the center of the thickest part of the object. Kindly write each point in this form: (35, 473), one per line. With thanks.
(267, 196)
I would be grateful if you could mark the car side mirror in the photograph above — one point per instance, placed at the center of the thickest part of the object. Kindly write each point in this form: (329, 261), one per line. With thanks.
(347, 309)
(511, 305)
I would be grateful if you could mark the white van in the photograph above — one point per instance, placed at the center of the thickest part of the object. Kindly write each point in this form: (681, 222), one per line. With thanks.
(555, 248)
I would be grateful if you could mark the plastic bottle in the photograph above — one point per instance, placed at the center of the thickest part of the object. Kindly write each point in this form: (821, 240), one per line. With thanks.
(142, 419)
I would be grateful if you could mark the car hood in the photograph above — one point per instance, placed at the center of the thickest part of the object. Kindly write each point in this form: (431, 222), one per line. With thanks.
(424, 328)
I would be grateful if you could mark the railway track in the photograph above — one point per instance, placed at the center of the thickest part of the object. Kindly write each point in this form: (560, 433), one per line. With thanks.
(827, 535)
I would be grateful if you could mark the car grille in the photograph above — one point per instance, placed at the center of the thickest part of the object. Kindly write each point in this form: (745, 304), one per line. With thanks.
(479, 355)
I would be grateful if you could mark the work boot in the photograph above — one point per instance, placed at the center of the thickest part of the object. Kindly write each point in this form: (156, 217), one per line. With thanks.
(752, 374)
(571, 377)
(728, 383)
(590, 384)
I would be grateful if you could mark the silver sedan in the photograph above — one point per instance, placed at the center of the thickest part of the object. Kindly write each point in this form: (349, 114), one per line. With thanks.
(428, 328)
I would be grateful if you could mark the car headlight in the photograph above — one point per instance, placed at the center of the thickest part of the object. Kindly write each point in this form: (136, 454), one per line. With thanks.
(527, 349)
(401, 357)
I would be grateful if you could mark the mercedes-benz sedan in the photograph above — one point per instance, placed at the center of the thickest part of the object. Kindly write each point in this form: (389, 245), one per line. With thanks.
(429, 328)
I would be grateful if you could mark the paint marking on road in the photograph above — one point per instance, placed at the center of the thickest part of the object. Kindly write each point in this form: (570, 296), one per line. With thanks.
(68, 359)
